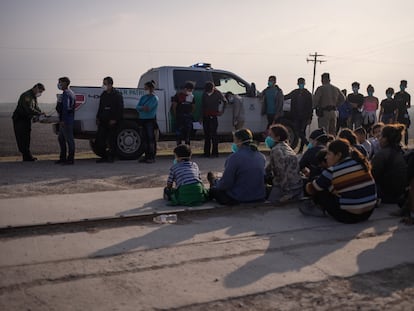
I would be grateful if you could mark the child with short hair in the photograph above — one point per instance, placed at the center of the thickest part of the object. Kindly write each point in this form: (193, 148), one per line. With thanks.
(375, 136)
(189, 189)
(361, 135)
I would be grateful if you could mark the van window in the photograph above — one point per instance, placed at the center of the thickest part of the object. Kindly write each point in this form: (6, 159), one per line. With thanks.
(148, 76)
(229, 83)
(199, 78)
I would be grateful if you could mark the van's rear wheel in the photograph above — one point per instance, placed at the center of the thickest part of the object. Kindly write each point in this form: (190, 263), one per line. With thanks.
(128, 141)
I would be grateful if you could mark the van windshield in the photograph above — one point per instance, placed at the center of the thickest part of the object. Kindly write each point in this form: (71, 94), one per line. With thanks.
(228, 83)
(199, 78)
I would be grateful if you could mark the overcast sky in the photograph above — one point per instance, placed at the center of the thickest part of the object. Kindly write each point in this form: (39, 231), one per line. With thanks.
(363, 40)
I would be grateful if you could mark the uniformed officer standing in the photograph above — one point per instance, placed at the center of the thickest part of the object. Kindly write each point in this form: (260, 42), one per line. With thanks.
(110, 113)
(26, 109)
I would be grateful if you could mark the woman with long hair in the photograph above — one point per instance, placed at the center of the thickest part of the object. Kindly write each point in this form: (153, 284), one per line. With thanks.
(346, 189)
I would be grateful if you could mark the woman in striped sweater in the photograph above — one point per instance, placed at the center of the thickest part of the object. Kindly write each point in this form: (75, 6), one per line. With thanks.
(346, 190)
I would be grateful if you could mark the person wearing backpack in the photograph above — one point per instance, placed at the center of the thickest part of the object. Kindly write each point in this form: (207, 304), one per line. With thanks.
(183, 106)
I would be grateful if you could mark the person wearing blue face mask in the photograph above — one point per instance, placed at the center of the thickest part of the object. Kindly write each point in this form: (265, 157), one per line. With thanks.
(403, 102)
(388, 108)
(284, 167)
(357, 101)
(243, 177)
(272, 101)
(184, 184)
(301, 110)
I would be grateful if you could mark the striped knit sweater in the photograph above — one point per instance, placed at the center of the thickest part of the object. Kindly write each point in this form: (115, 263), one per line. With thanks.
(354, 186)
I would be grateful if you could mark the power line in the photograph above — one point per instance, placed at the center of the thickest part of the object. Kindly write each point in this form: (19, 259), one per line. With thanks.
(314, 61)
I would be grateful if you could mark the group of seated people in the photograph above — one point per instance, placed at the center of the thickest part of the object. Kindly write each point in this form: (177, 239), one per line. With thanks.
(345, 177)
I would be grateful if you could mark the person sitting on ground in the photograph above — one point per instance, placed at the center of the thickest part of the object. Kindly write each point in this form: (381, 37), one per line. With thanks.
(346, 190)
(408, 208)
(243, 176)
(374, 138)
(361, 135)
(308, 164)
(189, 189)
(389, 167)
(284, 166)
(352, 139)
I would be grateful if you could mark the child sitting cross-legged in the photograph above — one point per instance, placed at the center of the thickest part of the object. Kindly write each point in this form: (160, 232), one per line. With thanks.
(185, 174)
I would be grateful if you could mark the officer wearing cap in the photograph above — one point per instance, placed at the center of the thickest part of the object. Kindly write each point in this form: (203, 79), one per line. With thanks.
(326, 100)
(25, 111)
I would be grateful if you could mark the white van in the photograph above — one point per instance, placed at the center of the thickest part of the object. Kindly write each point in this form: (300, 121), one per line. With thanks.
(169, 80)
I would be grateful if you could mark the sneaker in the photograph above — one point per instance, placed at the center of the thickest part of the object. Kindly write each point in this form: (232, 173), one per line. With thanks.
(60, 161)
(31, 159)
(211, 177)
(310, 209)
(69, 162)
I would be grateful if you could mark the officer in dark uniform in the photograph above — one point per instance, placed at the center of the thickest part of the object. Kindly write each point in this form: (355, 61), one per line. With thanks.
(110, 113)
(26, 110)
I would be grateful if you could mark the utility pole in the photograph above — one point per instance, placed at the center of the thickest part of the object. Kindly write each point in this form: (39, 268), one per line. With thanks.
(315, 60)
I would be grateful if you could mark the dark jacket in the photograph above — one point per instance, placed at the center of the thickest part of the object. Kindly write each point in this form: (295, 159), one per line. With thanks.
(66, 107)
(210, 104)
(111, 106)
(389, 169)
(27, 107)
(301, 104)
(278, 103)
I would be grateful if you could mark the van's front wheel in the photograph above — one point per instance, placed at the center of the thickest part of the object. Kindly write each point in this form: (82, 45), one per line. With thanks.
(128, 141)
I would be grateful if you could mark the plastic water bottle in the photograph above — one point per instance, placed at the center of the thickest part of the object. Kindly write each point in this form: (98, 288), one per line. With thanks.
(165, 219)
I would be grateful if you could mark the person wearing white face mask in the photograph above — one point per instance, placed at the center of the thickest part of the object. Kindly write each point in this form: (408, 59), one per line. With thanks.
(110, 112)
(182, 107)
(283, 166)
(244, 172)
(147, 109)
(66, 110)
(238, 110)
(25, 111)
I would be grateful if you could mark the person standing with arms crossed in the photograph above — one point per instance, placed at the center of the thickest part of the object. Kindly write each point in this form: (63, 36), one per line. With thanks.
(272, 101)
(147, 109)
(110, 113)
(357, 101)
(25, 111)
(66, 110)
(211, 101)
(326, 100)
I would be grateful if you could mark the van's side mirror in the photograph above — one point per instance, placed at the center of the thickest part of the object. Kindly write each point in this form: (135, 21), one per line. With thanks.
(252, 90)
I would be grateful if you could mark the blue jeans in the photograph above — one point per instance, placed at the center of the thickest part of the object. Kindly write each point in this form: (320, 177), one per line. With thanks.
(65, 137)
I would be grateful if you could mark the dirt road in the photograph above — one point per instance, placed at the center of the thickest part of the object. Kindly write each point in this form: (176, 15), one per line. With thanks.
(247, 259)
